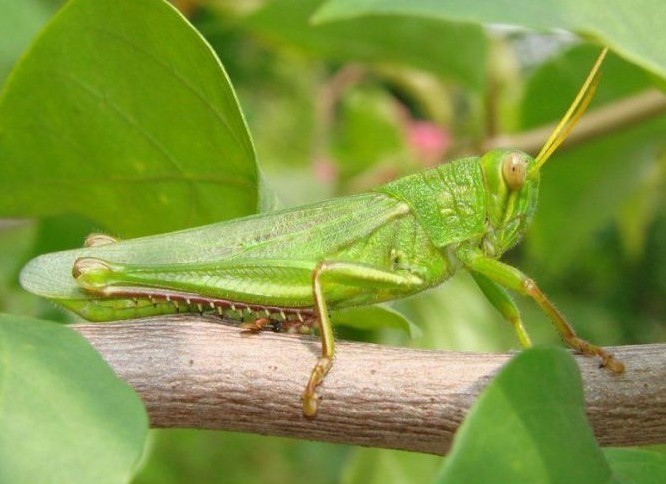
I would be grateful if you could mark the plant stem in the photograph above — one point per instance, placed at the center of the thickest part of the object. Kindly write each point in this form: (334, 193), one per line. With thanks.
(195, 372)
(597, 123)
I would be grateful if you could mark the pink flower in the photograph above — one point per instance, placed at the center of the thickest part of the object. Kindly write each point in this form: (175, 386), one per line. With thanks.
(324, 169)
(429, 141)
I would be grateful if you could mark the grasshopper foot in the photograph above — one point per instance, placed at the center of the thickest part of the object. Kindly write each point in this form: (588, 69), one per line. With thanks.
(616, 366)
(607, 360)
(310, 405)
(310, 398)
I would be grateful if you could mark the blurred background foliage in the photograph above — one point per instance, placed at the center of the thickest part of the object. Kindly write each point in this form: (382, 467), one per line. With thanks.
(338, 108)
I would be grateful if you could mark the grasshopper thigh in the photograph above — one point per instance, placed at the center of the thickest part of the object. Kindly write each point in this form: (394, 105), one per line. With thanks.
(255, 281)
(302, 284)
(273, 282)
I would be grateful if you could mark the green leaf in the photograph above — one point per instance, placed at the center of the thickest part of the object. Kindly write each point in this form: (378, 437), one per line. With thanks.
(64, 415)
(641, 207)
(19, 22)
(16, 238)
(637, 466)
(378, 466)
(632, 29)
(121, 112)
(457, 316)
(528, 425)
(448, 49)
(375, 317)
(370, 132)
(178, 456)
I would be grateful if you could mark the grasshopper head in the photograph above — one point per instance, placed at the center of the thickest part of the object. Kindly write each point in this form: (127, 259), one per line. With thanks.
(511, 197)
(512, 177)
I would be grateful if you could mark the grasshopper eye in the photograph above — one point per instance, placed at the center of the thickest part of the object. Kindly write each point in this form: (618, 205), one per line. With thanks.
(514, 170)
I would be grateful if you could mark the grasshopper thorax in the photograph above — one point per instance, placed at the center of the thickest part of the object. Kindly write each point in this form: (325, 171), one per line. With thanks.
(511, 197)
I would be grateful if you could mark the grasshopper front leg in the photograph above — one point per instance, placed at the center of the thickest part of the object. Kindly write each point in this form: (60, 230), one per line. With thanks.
(349, 274)
(513, 279)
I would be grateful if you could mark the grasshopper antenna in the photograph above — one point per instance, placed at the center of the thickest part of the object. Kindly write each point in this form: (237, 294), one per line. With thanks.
(572, 116)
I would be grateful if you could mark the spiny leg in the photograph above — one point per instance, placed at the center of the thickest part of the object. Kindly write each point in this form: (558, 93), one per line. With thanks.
(502, 301)
(349, 274)
(512, 278)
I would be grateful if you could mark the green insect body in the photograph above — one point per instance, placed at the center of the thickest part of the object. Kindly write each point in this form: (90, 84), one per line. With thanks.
(288, 269)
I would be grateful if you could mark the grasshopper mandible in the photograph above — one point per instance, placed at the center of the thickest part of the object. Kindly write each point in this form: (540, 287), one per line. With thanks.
(287, 269)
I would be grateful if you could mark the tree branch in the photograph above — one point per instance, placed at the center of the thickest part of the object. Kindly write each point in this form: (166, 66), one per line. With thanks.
(192, 371)
(601, 121)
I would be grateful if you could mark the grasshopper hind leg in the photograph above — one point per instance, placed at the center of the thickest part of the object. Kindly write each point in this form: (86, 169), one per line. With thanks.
(108, 280)
(359, 275)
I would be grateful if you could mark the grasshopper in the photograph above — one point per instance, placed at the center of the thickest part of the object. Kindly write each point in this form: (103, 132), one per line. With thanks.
(287, 269)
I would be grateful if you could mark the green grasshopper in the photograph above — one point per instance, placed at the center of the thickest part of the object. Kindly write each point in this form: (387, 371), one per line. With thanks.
(287, 269)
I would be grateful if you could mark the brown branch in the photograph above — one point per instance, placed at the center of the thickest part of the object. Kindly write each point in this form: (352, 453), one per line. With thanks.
(602, 121)
(195, 372)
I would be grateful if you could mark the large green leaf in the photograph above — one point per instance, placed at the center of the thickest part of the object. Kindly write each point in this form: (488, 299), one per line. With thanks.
(369, 133)
(637, 465)
(633, 29)
(425, 43)
(375, 317)
(19, 22)
(378, 466)
(180, 456)
(528, 425)
(64, 415)
(457, 316)
(121, 112)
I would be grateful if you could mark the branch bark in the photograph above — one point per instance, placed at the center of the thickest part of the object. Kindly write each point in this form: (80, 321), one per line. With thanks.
(192, 371)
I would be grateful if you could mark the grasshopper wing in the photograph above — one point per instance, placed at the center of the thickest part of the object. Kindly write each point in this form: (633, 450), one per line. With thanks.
(308, 233)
